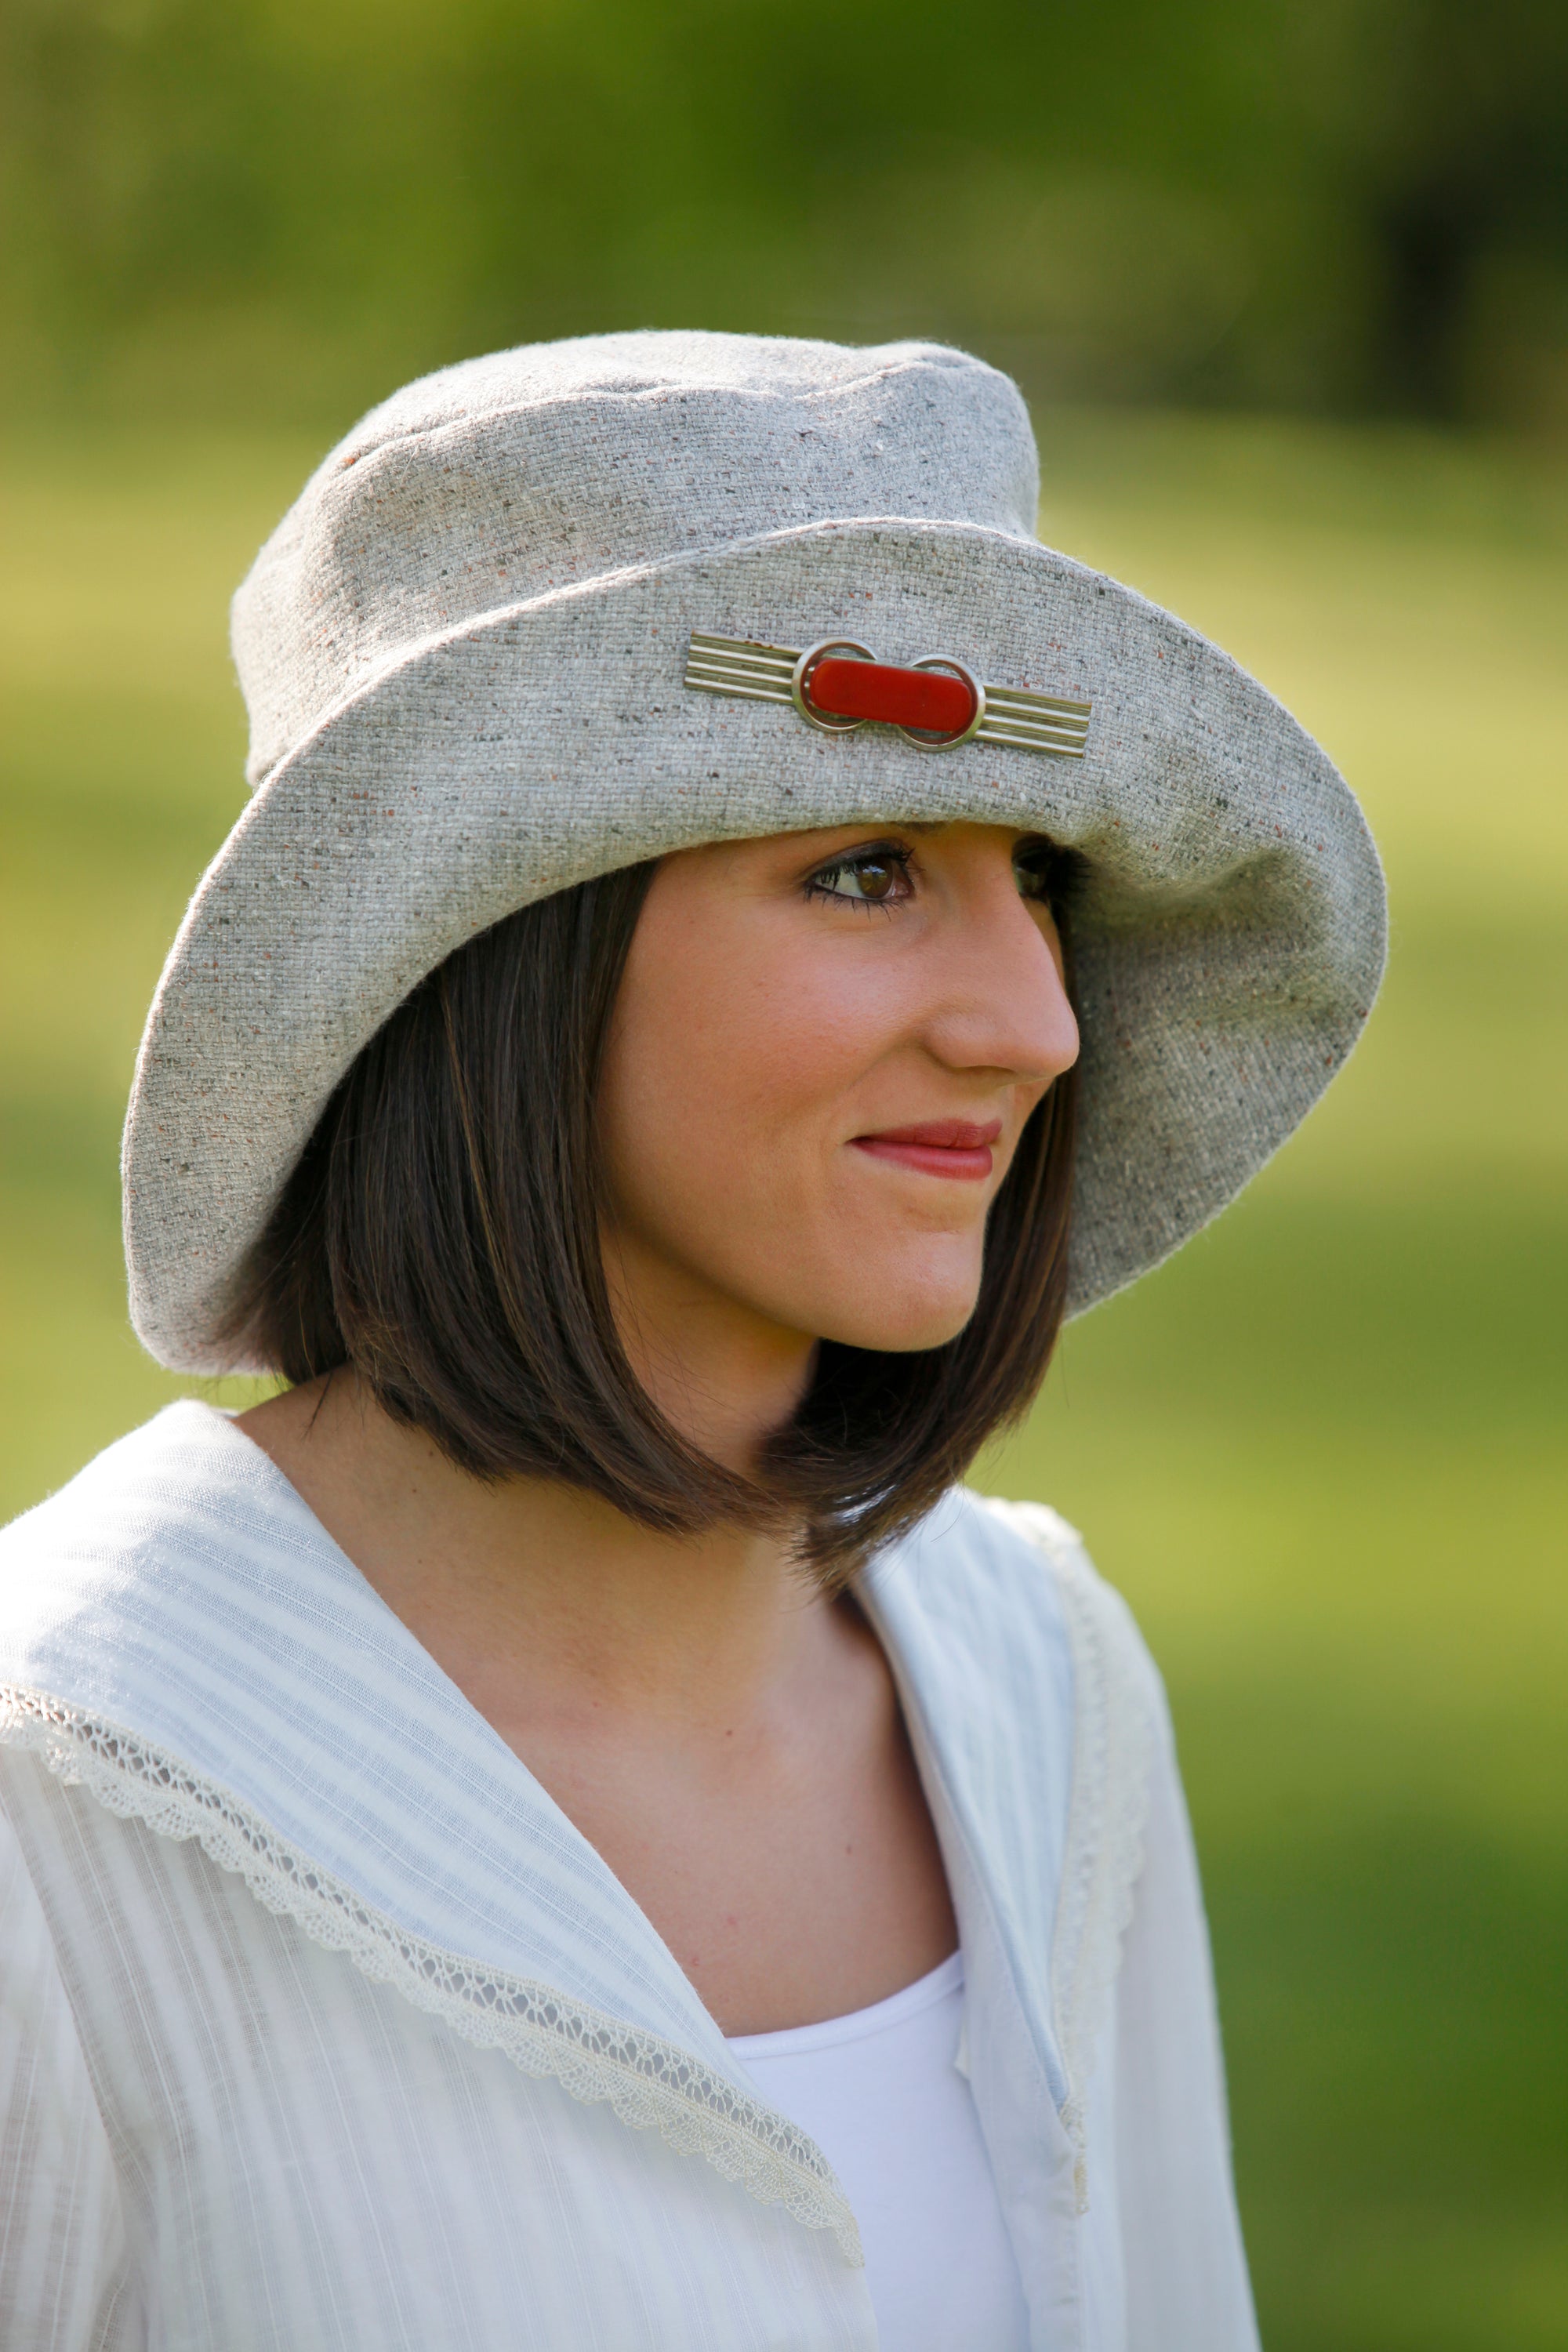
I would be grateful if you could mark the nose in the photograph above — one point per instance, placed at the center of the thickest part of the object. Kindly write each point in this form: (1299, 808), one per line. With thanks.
(998, 1000)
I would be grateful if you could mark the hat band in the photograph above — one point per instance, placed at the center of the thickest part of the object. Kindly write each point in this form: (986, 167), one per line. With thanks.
(936, 703)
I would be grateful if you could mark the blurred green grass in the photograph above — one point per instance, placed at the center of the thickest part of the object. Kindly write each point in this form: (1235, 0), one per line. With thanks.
(1322, 1450)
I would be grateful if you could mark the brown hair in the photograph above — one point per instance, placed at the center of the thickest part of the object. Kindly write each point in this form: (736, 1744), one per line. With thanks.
(442, 1234)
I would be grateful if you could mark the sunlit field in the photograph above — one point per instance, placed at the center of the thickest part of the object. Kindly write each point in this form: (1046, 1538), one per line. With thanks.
(1322, 1452)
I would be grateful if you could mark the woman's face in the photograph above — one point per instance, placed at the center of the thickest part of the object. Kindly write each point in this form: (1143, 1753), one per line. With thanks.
(825, 1050)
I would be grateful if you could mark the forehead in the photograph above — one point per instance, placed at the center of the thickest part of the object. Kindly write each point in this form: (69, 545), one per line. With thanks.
(774, 861)
(891, 829)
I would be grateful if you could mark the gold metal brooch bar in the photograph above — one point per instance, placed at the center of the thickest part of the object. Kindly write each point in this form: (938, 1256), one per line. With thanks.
(1014, 716)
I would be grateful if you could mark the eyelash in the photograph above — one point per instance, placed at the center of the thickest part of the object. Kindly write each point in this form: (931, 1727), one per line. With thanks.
(889, 853)
(875, 853)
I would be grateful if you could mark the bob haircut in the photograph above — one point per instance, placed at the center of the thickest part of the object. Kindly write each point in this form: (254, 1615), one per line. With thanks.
(441, 1234)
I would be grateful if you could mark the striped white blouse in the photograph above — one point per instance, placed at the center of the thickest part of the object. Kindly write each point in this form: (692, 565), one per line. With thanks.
(321, 2027)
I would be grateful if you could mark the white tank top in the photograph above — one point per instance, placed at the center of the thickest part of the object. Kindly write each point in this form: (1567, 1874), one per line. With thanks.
(883, 2097)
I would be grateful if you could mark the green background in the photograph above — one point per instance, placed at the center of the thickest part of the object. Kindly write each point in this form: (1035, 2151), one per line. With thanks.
(1287, 287)
(1322, 1450)
(289, 206)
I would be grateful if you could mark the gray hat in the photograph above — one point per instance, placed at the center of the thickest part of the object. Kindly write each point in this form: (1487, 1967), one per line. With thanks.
(543, 614)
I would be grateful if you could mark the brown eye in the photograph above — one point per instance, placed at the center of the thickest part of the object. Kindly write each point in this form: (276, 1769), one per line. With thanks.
(869, 881)
(1037, 874)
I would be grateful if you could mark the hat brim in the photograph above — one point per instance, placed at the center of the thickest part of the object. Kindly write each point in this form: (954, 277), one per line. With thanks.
(1228, 942)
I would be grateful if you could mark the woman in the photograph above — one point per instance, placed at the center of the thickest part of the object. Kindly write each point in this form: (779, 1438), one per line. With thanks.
(567, 1825)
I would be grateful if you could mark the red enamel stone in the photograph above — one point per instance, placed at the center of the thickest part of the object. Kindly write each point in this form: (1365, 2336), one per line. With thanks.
(933, 700)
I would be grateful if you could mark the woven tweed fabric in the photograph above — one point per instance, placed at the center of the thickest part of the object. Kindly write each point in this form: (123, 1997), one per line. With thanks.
(464, 650)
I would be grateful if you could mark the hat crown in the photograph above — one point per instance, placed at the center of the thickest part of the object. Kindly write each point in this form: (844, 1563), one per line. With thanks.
(534, 471)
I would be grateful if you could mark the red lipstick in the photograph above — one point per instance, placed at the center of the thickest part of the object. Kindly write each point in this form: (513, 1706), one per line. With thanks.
(937, 1146)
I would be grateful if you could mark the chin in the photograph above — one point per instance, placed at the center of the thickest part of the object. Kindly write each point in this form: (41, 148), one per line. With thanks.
(924, 1323)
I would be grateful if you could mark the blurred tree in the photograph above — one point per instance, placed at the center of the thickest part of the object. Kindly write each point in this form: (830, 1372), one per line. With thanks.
(299, 201)
(1461, 168)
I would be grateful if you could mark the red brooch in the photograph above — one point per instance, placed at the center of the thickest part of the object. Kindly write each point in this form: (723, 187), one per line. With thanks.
(936, 703)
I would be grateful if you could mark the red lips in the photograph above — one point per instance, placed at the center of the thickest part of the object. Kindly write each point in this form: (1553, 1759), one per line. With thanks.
(937, 1146)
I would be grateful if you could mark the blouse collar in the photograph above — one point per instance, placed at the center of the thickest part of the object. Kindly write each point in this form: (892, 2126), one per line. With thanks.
(192, 1598)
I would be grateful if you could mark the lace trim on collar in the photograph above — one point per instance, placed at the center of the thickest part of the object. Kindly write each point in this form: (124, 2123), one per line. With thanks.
(1114, 1731)
(649, 2083)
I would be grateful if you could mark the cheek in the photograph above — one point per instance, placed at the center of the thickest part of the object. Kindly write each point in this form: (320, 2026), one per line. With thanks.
(727, 1076)
(732, 1083)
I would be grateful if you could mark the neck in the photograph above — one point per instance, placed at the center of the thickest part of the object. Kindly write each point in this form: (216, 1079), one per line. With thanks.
(721, 1374)
(726, 1737)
